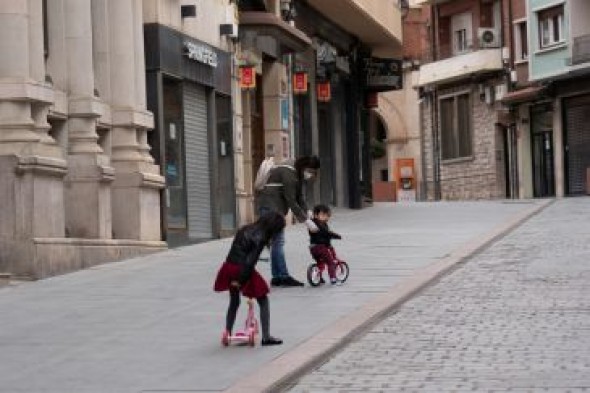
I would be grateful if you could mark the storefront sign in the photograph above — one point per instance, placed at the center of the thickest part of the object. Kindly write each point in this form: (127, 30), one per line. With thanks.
(371, 99)
(247, 77)
(300, 83)
(200, 53)
(383, 74)
(324, 91)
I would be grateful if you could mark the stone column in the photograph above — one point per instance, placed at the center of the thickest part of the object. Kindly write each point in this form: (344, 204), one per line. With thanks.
(31, 166)
(88, 195)
(136, 190)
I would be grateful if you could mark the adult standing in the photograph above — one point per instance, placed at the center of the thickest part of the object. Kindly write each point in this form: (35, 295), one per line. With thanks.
(283, 191)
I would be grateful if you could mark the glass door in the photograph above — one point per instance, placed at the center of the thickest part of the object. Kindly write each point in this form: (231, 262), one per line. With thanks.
(542, 151)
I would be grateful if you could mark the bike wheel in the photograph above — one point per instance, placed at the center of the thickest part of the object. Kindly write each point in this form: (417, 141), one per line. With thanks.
(342, 271)
(314, 275)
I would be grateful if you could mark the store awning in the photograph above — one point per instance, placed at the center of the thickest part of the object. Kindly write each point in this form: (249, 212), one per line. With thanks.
(523, 95)
(268, 24)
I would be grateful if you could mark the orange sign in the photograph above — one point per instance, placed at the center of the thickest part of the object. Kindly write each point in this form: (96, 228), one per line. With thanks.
(405, 178)
(247, 77)
(300, 83)
(324, 92)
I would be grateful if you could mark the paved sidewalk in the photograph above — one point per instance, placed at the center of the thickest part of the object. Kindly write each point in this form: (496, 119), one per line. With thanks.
(515, 318)
(153, 323)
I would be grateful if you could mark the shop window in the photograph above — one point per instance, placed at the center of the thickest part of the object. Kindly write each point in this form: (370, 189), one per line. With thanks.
(455, 124)
(173, 136)
(550, 26)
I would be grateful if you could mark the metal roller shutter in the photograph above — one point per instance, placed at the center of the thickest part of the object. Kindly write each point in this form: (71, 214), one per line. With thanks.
(577, 116)
(198, 176)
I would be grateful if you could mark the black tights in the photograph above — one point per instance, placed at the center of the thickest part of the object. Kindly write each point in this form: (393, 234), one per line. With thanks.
(234, 304)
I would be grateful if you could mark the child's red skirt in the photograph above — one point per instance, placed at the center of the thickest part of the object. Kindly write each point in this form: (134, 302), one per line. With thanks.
(255, 287)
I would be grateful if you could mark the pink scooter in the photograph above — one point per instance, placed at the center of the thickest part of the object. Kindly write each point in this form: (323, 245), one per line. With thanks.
(246, 336)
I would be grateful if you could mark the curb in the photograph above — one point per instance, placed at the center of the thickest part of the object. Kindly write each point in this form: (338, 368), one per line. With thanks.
(280, 373)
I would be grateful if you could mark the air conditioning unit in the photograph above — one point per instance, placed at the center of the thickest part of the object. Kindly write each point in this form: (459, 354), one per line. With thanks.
(229, 29)
(488, 37)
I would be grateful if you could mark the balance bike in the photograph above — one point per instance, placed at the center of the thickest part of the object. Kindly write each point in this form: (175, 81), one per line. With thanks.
(315, 270)
(246, 336)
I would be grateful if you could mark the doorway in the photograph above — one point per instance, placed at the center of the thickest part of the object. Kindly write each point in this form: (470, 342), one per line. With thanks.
(326, 136)
(542, 151)
(577, 144)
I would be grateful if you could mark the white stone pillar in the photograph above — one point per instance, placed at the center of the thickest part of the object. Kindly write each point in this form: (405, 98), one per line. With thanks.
(558, 156)
(88, 195)
(136, 190)
(31, 171)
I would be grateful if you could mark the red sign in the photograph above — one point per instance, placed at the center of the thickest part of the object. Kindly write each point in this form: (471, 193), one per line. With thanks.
(300, 83)
(371, 99)
(247, 77)
(324, 92)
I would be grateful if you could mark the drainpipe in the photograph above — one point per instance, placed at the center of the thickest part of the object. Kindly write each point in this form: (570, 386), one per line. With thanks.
(434, 112)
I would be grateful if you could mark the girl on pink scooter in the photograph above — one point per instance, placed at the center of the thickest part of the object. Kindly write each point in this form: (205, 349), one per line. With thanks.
(238, 274)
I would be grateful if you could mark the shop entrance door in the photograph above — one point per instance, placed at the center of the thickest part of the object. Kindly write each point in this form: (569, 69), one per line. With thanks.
(326, 154)
(542, 154)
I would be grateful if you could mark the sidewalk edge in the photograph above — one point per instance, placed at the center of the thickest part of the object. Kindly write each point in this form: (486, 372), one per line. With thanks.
(280, 373)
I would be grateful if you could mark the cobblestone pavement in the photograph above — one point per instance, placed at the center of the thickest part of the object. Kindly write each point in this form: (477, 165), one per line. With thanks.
(515, 318)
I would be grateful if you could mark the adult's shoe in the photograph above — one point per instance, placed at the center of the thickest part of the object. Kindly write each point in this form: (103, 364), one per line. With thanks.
(277, 282)
(271, 341)
(291, 282)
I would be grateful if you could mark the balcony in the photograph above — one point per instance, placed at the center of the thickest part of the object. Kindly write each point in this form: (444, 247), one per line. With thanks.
(581, 50)
(377, 23)
(455, 63)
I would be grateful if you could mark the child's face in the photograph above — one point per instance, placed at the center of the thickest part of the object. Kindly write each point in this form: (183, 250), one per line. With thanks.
(322, 216)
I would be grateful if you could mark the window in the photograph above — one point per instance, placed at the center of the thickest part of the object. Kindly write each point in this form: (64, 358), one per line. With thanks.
(461, 41)
(550, 26)
(521, 44)
(455, 121)
(461, 26)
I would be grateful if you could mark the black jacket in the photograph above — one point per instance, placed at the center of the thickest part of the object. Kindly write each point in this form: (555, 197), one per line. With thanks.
(245, 251)
(324, 235)
(283, 191)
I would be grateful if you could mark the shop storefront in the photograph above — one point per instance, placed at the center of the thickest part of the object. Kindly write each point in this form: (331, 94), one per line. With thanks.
(189, 92)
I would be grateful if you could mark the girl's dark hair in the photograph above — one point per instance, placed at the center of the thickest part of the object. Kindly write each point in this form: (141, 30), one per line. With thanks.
(302, 163)
(271, 224)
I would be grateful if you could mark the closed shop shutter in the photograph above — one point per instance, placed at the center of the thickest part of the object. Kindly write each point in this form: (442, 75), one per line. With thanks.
(577, 116)
(197, 162)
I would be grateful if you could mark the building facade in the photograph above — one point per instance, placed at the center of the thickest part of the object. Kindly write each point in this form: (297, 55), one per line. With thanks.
(191, 89)
(464, 76)
(550, 101)
(78, 183)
